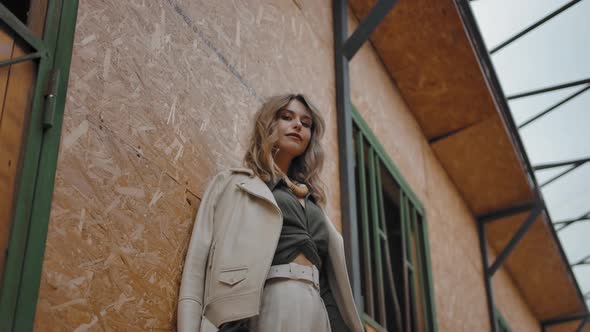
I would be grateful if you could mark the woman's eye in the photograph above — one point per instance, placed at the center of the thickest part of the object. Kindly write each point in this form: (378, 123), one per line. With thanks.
(307, 125)
(286, 117)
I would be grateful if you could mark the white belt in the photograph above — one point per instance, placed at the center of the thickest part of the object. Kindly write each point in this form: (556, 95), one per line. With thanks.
(295, 271)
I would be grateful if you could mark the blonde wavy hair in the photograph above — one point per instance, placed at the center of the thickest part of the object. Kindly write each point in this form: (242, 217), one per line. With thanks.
(305, 168)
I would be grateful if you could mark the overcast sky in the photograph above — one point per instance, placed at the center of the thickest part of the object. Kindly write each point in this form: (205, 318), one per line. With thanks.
(557, 52)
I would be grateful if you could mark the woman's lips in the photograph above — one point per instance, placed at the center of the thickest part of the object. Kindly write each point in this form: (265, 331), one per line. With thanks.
(295, 136)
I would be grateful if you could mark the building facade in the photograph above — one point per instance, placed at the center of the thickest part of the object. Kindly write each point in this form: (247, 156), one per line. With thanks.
(160, 98)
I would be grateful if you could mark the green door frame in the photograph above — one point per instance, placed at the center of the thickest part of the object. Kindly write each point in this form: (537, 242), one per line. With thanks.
(26, 248)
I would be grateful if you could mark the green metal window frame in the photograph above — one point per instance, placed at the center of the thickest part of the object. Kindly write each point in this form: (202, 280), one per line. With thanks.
(372, 224)
(26, 247)
(502, 323)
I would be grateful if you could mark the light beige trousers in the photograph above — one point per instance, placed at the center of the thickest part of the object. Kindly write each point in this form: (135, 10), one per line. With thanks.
(290, 305)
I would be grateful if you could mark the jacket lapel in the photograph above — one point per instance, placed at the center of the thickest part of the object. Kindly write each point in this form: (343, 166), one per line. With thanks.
(256, 187)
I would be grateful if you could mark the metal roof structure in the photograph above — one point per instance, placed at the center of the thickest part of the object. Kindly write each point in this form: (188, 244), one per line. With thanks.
(539, 52)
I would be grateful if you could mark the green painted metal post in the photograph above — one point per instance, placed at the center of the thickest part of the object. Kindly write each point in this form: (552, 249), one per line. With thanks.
(24, 260)
(376, 235)
(368, 275)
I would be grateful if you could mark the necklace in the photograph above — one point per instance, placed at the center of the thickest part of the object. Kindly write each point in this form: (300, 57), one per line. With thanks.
(300, 189)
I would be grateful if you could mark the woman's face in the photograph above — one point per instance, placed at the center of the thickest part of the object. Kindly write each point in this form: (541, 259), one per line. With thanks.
(294, 124)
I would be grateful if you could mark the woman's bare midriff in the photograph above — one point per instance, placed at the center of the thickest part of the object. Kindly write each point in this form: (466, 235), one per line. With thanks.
(302, 260)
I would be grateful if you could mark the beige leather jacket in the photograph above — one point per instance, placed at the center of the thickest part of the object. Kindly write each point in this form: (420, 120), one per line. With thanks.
(230, 252)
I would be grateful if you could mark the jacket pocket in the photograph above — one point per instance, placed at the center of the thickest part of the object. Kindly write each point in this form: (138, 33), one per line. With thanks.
(232, 276)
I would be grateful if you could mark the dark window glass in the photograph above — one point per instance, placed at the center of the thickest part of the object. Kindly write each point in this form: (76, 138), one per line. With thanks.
(394, 279)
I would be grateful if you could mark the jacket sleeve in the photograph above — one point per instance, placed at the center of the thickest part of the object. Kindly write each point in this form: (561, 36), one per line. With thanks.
(341, 290)
(190, 302)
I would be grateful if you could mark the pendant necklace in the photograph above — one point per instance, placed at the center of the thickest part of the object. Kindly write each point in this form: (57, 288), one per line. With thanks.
(300, 189)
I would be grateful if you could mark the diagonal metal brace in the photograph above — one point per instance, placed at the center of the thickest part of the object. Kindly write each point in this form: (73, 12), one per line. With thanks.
(583, 324)
(524, 227)
(561, 174)
(534, 26)
(583, 261)
(561, 163)
(7, 18)
(554, 107)
(565, 223)
(368, 25)
(507, 212)
(31, 56)
(564, 319)
(548, 89)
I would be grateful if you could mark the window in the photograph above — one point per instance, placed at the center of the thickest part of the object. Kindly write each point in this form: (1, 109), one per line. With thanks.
(394, 258)
(18, 8)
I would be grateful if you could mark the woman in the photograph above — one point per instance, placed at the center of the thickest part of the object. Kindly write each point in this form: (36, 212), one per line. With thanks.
(263, 255)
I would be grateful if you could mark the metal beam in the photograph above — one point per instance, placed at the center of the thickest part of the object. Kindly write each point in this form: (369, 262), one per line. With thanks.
(524, 227)
(445, 135)
(483, 247)
(499, 214)
(564, 319)
(534, 26)
(561, 174)
(582, 324)
(560, 164)
(569, 222)
(548, 89)
(554, 107)
(366, 27)
(565, 223)
(583, 261)
(30, 56)
(22, 31)
(345, 149)
(495, 88)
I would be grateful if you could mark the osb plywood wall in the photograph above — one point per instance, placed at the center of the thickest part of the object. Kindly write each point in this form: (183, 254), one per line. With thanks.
(160, 99)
